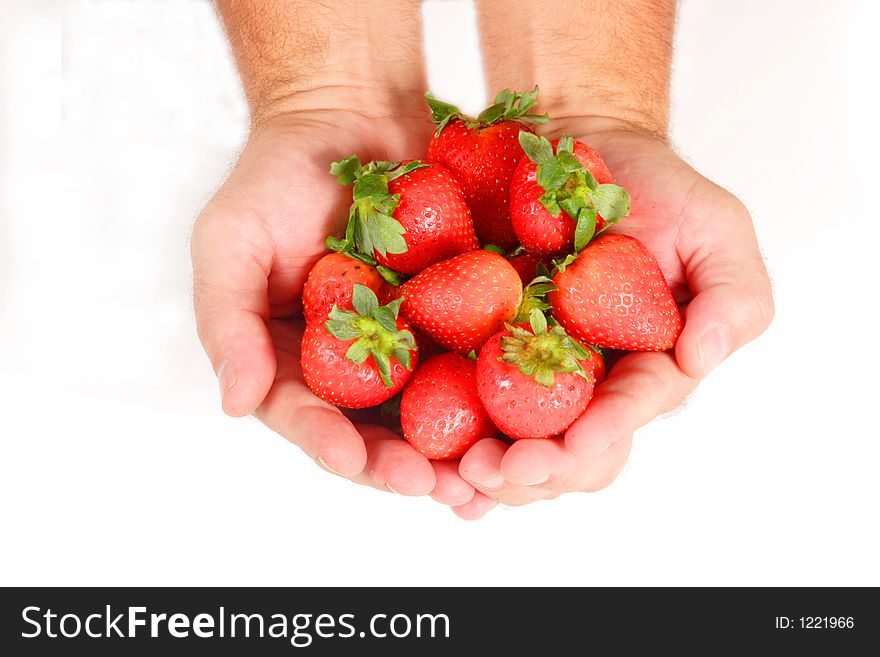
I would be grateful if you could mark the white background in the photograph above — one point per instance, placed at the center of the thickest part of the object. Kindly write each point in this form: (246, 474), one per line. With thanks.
(117, 121)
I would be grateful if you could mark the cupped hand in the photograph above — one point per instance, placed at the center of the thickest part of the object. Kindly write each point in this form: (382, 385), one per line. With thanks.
(252, 248)
(704, 241)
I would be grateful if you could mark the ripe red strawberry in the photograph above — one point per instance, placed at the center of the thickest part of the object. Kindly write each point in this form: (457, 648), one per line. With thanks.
(526, 266)
(440, 412)
(331, 282)
(459, 303)
(482, 153)
(561, 194)
(599, 370)
(359, 358)
(532, 381)
(614, 295)
(405, 215)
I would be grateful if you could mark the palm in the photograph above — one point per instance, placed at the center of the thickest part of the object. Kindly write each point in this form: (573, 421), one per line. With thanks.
(253, 247)
(703, 240)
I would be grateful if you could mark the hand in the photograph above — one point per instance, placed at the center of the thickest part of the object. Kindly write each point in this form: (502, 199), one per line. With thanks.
(252, 249)
(703, 238)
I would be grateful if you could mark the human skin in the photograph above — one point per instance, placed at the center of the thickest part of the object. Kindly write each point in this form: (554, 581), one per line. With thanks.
(319, 89)
(609, 87)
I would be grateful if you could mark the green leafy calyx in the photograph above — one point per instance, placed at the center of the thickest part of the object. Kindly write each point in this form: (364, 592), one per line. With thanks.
(371, 227)
(535, 297)
(543, 351)
(508, 105)
(374, 331)
(569, 186)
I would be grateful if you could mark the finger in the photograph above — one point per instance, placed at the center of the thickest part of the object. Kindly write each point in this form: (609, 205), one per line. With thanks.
(230, 273)
(317, 427)
(479, 506)
(481, 465)
(392, 463)
(450, 488)
(732, 299)
(639, 387)
(535, 462)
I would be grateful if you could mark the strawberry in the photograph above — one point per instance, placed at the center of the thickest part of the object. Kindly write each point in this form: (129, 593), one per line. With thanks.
(532, 380)
(459, 303)
(598, 362)
(614, 295)
(331, 282)
(560, 198)
(526, 266)
(440, 412)
(359, 358)
(406, 216)
(482, 153)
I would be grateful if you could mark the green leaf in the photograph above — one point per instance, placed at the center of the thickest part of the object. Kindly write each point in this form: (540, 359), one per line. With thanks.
(393, 277)
(561, 263)
(612, 202)
(405, 169)
(371, 185)
(552, 174)
(341, 324)
(589, 180)
(569, 162)
(542, 270)
(362, 257)
(544, 376)
(577, 350)
(365, 302)
(386, 318)
(505, 97)
(406, 339)
(441, 113)
(358, 351)
(548, 200)
(494, 249)
(536, 148)
(472, 355)
(492, 114)
(402, 356)
(565, 145)
(537, 321)
(534, 118)
(346, 170)
(394, 307)
(585, 229)
(383, 364)
(573, 206)
(387, 233)
(361, 236)
(333, 244)
(540, 289)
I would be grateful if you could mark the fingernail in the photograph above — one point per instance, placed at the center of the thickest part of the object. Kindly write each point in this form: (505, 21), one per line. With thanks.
(491, 484)
(712, 349)
(226, 376)
(324, 465)
(388, 486)
(542, 480)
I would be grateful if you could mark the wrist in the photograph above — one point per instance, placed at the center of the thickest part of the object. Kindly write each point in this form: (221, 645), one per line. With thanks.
(302, 56)
(599, 65)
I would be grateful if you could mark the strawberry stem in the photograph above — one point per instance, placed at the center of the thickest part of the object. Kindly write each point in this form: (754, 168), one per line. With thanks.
(569, 186)
(508, 105)
(374, 331)
(371, 227)
(543, 352)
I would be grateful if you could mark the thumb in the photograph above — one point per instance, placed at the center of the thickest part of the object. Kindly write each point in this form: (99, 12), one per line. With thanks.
(231, 264)
(732, 302)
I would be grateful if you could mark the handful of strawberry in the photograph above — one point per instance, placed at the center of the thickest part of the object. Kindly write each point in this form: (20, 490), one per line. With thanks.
(517, 327)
